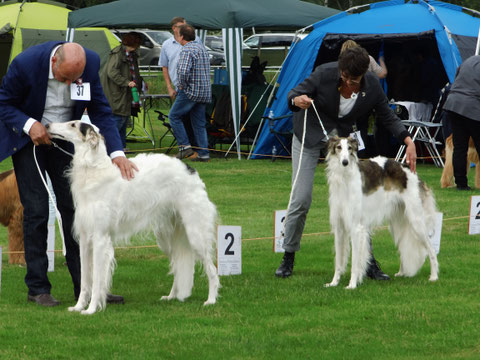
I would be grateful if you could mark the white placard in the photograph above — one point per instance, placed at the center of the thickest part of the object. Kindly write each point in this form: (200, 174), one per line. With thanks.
(229, 250)
(278, 230)
(80, 91)
(1, 253)
(474, 220)
(435, 239)
(356, 135)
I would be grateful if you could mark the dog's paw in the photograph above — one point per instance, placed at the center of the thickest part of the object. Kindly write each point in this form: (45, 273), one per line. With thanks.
(331, 284)
(75, 309)
(399, 274)
(351, 286)
(433, 278)
(209, 302)
(166, 298)
(88, 311)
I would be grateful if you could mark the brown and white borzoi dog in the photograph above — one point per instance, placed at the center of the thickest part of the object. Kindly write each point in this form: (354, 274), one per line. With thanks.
(11, 216)
(365, 193)
(472, 157)
(165, 197)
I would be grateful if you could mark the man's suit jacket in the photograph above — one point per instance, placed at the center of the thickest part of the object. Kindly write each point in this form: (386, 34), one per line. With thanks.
(23, 93)
(323, 87)
(464, 96)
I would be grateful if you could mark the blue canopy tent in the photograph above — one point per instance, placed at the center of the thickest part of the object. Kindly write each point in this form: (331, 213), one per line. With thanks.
(406, 31)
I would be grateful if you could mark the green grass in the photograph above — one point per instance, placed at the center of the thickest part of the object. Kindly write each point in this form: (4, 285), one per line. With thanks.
(257, 315)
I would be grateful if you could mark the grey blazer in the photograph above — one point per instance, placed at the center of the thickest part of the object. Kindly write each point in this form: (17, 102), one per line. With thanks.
(323, 87)
(464, 96)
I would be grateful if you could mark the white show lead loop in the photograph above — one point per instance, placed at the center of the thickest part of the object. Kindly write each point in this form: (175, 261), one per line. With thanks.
(57, 213)
(300, 159)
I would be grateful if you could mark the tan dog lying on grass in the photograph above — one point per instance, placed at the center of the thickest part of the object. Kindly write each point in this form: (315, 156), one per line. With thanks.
(11, 216)
(472, 156)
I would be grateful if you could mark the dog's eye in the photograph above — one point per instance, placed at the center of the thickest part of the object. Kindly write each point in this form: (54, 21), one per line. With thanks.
(349, 148)
(72, 124)
(339, 147)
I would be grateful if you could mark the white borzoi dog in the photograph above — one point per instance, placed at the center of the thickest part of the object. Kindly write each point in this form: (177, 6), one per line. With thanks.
(165, 196)
(362, 194)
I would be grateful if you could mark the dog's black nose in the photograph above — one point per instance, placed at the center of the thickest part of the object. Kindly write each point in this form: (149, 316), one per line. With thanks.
(345, 162)
(47, 126)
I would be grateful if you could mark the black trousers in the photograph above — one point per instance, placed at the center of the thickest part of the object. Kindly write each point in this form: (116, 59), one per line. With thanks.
(34, 198)
(462, 128)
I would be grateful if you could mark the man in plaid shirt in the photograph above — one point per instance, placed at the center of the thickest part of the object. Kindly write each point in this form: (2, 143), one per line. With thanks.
(194, 91)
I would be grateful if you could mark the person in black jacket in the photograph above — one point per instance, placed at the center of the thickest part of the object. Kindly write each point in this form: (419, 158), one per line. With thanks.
(463, 113)
(342, 92)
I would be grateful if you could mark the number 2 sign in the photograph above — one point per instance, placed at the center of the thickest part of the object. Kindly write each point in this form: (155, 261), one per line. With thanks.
(474, 220)
(229, 250)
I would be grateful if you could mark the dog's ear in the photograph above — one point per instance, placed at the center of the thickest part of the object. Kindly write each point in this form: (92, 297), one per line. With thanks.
(89, 134)
(354, 143)
(331, 143)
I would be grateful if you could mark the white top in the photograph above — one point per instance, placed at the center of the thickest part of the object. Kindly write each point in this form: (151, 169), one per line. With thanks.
(346, 105)
(169, 58)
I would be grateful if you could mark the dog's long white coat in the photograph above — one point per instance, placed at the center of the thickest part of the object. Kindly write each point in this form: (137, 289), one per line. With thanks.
(354, 214)
(165, 197)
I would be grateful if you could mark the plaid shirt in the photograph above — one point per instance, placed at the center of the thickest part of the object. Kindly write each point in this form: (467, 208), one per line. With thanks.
(193, 70)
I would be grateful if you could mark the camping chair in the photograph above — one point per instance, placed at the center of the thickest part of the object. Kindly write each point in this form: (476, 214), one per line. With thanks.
(283, 137)
(423, 130)
(163, 118)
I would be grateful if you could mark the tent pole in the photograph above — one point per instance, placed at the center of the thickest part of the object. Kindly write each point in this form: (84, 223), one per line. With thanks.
(477, 51)
(255, 139)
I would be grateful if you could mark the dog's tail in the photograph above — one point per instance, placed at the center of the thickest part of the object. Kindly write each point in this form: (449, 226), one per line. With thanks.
(413, 231)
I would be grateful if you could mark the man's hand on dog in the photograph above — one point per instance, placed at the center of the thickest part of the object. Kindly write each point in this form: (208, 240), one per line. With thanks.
(126, 167)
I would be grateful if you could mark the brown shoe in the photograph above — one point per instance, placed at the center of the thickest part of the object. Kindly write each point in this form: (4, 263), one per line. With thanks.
(115, 299)
(43, 300)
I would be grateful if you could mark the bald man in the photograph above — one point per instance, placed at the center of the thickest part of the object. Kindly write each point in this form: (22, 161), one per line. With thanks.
(42, 86)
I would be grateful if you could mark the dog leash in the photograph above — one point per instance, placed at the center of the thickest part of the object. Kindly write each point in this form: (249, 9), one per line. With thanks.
(300, 158)
(52, 199)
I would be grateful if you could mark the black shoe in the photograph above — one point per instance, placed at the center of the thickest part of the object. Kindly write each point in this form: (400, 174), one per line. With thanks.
(464, 188)
(115, 299)
(43, 300)
(374, 272)
(286, 267)
(187, 153)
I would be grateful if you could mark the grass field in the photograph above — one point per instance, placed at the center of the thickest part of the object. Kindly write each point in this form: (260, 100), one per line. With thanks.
(257, 315)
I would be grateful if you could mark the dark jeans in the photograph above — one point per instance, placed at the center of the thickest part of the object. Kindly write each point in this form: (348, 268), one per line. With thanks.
(34, 198)
(121, 122)
(462, 128)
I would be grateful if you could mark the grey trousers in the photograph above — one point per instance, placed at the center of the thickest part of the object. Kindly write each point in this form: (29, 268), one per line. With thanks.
(302, 194)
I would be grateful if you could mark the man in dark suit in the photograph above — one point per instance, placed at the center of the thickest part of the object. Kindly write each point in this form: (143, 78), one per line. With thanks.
(39, 88)
(342, 92)
(463, 113)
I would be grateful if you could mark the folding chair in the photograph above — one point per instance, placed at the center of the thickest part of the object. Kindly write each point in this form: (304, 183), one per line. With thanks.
(423, 130)
(163, 118)
(279, 135)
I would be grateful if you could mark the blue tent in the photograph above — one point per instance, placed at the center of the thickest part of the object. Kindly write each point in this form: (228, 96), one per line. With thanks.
(444, 33)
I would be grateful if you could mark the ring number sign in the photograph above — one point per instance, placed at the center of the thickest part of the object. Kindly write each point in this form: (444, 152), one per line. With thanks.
(229, 250)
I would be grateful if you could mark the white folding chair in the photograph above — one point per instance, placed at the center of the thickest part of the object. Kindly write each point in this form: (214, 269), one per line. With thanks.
(423, 130)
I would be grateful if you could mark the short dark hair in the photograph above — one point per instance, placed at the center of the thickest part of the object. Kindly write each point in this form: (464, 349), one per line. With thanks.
(176, 20)
(354, 61)
(187, 31)
(132, 39)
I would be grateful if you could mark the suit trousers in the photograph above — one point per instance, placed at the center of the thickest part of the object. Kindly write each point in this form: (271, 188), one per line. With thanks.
(34, 198)
(302, 194)
(462, 129)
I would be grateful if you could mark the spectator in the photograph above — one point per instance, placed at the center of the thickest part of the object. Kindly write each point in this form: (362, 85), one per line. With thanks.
(119, 76)
(463, 113)
(194, 92)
